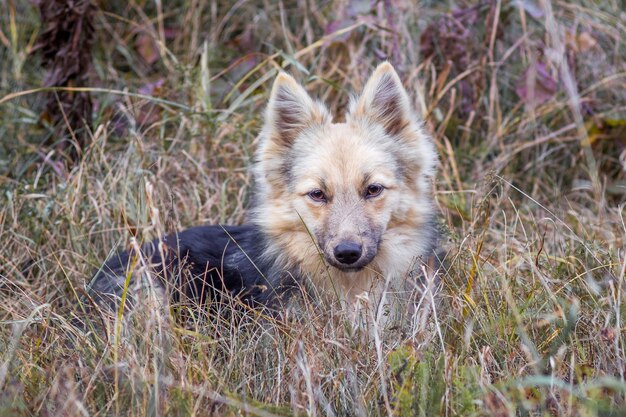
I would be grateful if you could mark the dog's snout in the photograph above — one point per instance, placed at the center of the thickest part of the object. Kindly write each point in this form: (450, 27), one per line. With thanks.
(348, 253)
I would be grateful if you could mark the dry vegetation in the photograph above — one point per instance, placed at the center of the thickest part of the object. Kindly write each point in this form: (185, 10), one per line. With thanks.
(527, 104)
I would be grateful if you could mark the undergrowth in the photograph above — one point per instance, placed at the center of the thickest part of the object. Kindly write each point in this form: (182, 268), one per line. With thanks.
(526, 102)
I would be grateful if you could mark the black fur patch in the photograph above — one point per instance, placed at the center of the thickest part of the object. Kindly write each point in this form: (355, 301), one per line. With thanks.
(199, 264)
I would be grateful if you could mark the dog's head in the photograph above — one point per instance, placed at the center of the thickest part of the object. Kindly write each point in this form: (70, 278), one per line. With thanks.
(353, 189)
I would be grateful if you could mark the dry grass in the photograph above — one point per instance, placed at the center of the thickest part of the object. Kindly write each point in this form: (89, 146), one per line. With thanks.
(531, 194)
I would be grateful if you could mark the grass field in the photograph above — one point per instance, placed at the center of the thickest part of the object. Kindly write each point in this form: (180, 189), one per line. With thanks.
(153, 128)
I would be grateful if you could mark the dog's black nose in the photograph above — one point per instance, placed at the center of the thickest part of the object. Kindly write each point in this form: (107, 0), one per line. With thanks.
(347, 253)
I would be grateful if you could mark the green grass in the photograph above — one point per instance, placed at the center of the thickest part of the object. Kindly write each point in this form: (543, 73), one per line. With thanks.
(529, 317)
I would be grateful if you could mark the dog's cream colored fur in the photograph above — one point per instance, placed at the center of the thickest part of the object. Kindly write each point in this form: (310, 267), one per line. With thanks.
(382, 141)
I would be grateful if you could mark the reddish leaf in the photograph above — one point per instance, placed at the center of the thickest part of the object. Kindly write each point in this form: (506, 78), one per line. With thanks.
(147, 48)
(536, 85)
(150, 88)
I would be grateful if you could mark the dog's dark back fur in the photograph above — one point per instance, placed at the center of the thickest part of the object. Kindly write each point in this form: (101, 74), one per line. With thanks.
(199, 264)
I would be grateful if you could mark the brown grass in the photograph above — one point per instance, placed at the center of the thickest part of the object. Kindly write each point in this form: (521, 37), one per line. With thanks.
(531, 188)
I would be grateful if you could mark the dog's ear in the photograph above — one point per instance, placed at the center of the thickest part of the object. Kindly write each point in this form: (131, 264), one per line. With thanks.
(385, 101)
(290, 111)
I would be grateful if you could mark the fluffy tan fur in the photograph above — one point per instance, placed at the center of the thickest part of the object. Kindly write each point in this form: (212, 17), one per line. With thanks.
(381, 142)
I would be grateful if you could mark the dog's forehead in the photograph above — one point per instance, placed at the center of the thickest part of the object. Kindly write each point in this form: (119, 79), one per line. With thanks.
(337, 142)
(346, 134)
(342, 152)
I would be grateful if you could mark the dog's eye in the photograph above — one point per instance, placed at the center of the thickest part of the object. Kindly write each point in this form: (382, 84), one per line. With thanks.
(374, 190)
(317, 195)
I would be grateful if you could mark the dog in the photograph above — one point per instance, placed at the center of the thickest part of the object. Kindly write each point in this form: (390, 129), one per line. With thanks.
(344, 210)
